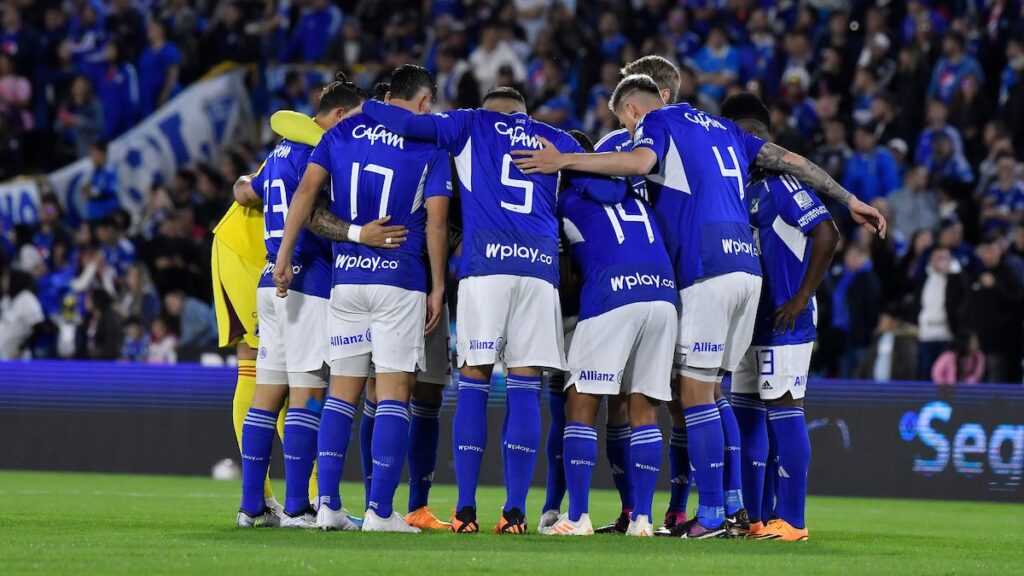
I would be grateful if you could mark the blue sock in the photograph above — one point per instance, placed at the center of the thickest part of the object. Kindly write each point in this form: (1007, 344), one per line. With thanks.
(750, 417)
(258, 431)
(644, 467)
(580, 450)
(504, 448)
(390, 443)
(679, 470)
(556, 471)
(424, 433)
(300, 438)
(365, 439)
(616, 447)
(469, 437)
(522, 439)
(733, 462)
(771, 472)
(794, 449)
(707, 457)
(332, 445)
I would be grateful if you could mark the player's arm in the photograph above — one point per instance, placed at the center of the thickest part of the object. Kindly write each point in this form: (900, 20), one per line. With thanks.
(774, 157)
(243, 192)
(437, 253)
(824, 237)
(402, 121)
(298, 214)
(376, 234)
(548, 160)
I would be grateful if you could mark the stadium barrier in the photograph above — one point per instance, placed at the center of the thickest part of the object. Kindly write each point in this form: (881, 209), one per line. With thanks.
(891, 439)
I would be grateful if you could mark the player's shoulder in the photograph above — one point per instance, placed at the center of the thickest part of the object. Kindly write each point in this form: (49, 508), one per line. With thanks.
(613, 141)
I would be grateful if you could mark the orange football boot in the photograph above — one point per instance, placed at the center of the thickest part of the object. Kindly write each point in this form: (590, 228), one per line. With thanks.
(464, 521)
(424, 519)
(779, 529)
(512, 522)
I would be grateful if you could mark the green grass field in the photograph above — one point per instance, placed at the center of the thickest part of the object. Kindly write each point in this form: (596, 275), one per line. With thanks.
(97, 523)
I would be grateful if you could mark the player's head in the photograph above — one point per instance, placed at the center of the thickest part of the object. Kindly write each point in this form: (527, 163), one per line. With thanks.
(635, 96)
(749, 113)
(663, 72)
(504, 99)
(336, 99)
(411, 88)
(584, 141)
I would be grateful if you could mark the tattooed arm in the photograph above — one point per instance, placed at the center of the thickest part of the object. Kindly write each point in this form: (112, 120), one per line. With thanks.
(776, 158)
(324, 223)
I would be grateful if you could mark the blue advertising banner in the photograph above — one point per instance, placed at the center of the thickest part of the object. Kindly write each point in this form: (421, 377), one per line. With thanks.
(896, 439)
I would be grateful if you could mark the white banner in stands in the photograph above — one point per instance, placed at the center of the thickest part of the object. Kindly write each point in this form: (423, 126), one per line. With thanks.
(193, 127)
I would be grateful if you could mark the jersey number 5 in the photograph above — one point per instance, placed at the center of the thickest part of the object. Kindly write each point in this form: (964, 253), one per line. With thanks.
(527, 187)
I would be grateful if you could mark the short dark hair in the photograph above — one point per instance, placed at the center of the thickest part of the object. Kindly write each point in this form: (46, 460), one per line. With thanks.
(100, 145)
(584, 141)
(744, 106)
(663, 72)
(340, 94)
(630, 84)
(506, 92)
(408, 79)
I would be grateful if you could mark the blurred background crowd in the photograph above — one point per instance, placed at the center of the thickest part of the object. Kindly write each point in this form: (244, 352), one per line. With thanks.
(916, 106)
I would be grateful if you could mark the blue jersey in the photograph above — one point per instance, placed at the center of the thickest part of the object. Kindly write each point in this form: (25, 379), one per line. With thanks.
(619, 248)
(276, 183)
(377, 173)
(620, 141)
(509, 225)
(783, 211)
(697, 190)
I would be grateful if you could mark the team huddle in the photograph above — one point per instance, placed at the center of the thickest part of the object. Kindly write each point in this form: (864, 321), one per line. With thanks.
(691, 247)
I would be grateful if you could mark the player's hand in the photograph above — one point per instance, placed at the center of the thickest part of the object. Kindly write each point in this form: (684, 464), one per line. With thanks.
(377, 235)
(869, 217)
(785, 317)
(547, 160)
(282, 275)
(435, 302)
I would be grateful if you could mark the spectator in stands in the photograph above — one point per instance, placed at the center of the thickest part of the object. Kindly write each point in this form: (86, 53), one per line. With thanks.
(127, 29)
(914, 207)
(970, 111)
(963, 363)
(937, 116)
(17, 41)
(51, 230)
(118, 251)
(951, 69)
(717, 64)
(994, 310)
(1002, 204)
(552, 103)
(15, 94)
(101, 190)
(456, 85)
(20, 312)
(910, 85)
(211, 202)
(118, 90)
(138, 297)
(80, 119)
(197, 323)
(354, 46)
(893, 352)
(491, 55)
(951, 236)
(163, 345)
(871, 172)
(947, 165)
(135, 346)
(939, 297)
(833, 154)
(99, 335)
(855, 306)
(318, 23)
(159, 69)
(226, 39)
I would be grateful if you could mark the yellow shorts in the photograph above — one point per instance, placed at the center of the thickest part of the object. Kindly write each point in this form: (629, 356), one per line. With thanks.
(234, 295)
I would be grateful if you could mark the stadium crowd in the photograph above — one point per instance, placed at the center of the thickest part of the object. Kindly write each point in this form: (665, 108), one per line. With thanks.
(916, 107)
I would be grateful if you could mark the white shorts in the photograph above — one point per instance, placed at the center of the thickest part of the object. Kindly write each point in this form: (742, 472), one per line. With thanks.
(771, 371)
(625, 350)
(515, 319)
(716, 322)
(438, 353)
(293, 335)
(382, 322)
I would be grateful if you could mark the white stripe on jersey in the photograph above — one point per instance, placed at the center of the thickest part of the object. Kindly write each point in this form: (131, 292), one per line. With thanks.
(792, 237)
(673, 174)
(464, 165)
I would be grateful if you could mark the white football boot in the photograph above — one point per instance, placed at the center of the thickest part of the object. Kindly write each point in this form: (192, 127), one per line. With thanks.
(305, 520)
(547, 520)
(265, 519)
(394, 523)
(566, 527)
(327, 519)
(640, 527)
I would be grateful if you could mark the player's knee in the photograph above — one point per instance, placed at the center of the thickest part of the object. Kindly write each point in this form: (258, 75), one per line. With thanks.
(618, 410)
(786, 400)
(269, 397)
(427, 393)
(643, 410)
(581, 408)
(481, 373)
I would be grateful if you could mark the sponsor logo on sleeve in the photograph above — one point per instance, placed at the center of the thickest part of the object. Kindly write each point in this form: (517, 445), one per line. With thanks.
(812, 215)
(803, 200)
